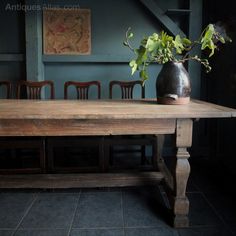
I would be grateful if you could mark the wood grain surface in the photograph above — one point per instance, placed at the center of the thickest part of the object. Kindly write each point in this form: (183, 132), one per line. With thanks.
(108, 109)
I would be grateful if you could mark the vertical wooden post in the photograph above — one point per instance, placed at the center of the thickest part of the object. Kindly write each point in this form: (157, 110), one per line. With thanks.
(182, 170)
(33, 37)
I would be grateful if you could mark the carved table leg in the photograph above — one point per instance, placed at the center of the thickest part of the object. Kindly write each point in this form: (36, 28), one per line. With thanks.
(180, 203)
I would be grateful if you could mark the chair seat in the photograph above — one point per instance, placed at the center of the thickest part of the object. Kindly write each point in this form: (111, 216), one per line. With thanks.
(131, 147)
(76, 154)
(131, 143)
(25, 154)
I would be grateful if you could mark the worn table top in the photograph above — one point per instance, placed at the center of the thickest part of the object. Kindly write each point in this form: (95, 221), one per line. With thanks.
(108, 109)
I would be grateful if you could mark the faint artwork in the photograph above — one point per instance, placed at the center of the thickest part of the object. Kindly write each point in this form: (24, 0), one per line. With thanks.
(67, 31)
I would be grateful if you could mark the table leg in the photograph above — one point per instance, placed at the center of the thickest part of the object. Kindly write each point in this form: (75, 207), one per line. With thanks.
(180, 203)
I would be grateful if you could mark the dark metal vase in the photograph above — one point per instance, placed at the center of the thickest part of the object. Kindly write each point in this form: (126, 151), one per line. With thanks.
(173, 84)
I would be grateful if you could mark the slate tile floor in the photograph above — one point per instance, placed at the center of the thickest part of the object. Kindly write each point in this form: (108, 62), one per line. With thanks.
(137, 211)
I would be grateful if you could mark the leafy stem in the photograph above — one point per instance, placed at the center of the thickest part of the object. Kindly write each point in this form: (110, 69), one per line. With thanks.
(128, 35)
(162, 48)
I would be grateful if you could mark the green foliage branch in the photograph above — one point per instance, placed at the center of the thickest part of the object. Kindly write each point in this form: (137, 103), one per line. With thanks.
(162, 48)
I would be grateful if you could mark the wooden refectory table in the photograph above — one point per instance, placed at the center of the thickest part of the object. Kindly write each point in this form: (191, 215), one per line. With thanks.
(110, 117)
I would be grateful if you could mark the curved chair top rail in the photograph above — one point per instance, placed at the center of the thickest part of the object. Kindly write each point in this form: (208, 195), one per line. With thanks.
(82, 89)
(127, 88)
(8, 87)
(34, 88)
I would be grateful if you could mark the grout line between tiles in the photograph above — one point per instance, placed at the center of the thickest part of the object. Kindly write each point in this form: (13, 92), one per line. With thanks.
(217, 213)
(73, 217)
(26, 212)
(88, 228)
(122, 208)
(128, 227)
(42, 228)
(198, 188)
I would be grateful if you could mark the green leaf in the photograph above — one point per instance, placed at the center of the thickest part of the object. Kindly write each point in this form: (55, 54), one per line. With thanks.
(178, 44)
(143, 75)
(134, 66)
(212, 47)
(142, 55)
(131, 35)
(151, 45)
(207, 39)
(222, 40)
(186, 42)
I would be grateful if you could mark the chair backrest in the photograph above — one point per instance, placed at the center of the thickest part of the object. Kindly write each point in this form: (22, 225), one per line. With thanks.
(7, 85)
(82, 89)
(34, 88)
(127, 88)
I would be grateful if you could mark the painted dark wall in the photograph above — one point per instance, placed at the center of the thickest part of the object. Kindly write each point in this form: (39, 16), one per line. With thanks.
(110, 20)
(219, 86)
(12, 44)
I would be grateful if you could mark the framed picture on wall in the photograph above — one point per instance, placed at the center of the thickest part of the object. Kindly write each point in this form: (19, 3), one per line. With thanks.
(67, 32)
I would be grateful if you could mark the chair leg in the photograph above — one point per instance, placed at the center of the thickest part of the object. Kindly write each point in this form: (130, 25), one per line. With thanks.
(50, 161)
(157, 150)
(102, 156)
(143, 155)
(107, 154)
(111, 157)
(42, 156)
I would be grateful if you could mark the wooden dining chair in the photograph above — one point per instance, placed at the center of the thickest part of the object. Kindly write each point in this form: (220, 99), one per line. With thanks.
(34, 89)
(7, 86)
(127, 88)
(82, 89)
(77, 150)
(127, 92)
(25, 150)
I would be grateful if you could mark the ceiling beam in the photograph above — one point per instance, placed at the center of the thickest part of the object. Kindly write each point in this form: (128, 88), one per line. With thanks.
(160, 15)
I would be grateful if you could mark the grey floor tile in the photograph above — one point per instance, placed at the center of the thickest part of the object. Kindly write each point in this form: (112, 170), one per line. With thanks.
(205, 184)
(55, 232)
(216, 231)
(51, 210)
(150, 232)
(191, 186)
(6, 232)
(67, 190)
(200, 212)
(144, 207)
(232, 226)
(206, 181)
(224, 204)
(97, 232)
(99, 209)
(13, 206)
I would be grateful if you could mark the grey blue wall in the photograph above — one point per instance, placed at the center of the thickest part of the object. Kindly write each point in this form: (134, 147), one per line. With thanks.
(22, 39)
(109, 58)
(12, 44)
